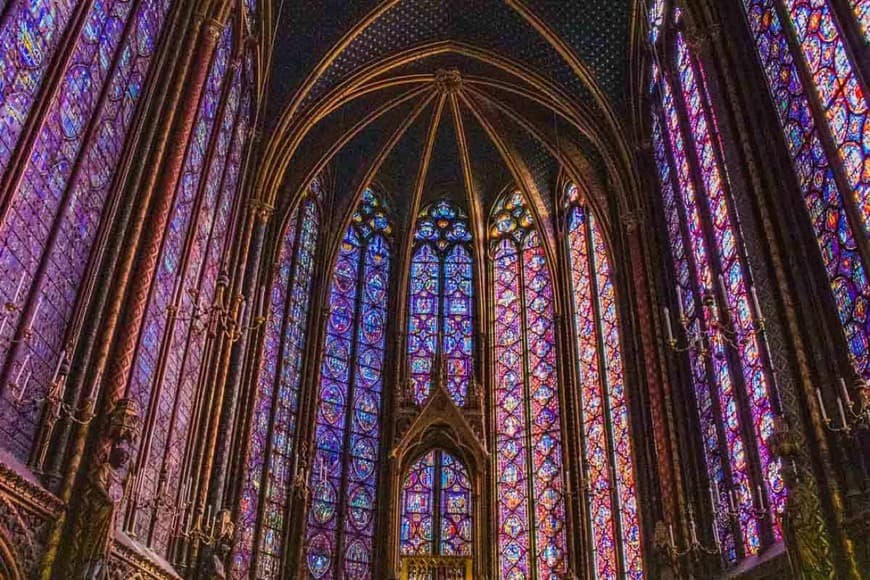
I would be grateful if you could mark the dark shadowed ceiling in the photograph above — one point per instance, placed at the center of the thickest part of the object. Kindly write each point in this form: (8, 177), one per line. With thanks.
(533, 86)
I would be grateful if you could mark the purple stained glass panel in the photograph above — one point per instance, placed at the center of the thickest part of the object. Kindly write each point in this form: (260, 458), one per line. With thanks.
(721, 377)
(418, 505)
(441, 302)
(693, 319)
(28, 39)
(733, 277)
(608, 329)
(823, 199)
(347, 432)
(530, 509)
(66, 181)
(511, 415)
(592, 418)
(167, 290)
(425, 299)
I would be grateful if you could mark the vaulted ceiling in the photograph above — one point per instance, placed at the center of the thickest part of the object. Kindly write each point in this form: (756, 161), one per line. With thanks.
(461, 98)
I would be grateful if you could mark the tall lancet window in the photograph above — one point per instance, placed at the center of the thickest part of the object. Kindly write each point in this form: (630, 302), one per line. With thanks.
(265, 495)
(822, 108)
(441, 301)
(612, 498)
(339, 540)
(57, 164)
(436, 507)
(528, 437)
(167, 369)
(717, 314)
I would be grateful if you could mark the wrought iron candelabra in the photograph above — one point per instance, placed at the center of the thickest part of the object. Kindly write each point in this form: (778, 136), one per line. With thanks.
(853, 415)
(716, 330)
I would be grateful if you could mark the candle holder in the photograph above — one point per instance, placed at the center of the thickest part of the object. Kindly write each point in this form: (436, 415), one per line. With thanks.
(695, 548)
(716, 329)
(853, 415)
(210, 529)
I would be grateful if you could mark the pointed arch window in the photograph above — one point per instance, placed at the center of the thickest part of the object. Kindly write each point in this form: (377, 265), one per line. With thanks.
(266, 492)
(436, 507)
(57, 178)
(339, 540)
(441, 301)
(612, 497)
(167, 366)
(716, 309)
(528, 437)
(822, 107)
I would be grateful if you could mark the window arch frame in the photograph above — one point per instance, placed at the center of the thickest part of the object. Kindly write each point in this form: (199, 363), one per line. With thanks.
(443, 259)
(495, 237)
(599, 274)
(377, 197)
(248, 552)
(711, 304)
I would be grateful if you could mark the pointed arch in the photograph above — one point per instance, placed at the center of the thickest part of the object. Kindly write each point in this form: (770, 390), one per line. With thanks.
(609, 468)
(339, 540)
(441, 301)
(530, 506)
(271, 463)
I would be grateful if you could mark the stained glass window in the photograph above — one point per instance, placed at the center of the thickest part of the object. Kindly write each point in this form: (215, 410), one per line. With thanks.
(29, 37)
(56, 205)
(167, 364)
(862, 13)
(604, 415)
(339, 540)
(717, 309)
(436, 507)
(529, 488)
(441, 302)
(834, 177)
(269, 469)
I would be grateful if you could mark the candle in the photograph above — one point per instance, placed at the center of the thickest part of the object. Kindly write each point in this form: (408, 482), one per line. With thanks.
(716, 534)
(23, 388)
(680, 303)
(668, 325)
(208, 514)
(21, 370)
(755, 305)
(18, 290)
(29, 329)
(845, 390)
(822, 406)
(732, 503)
(262, 299)
(242, 309)
(842, 412)
(693, 532)
(671, 533)
(716, 490)
(713, 499)
(760, 493)
(60, 362)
